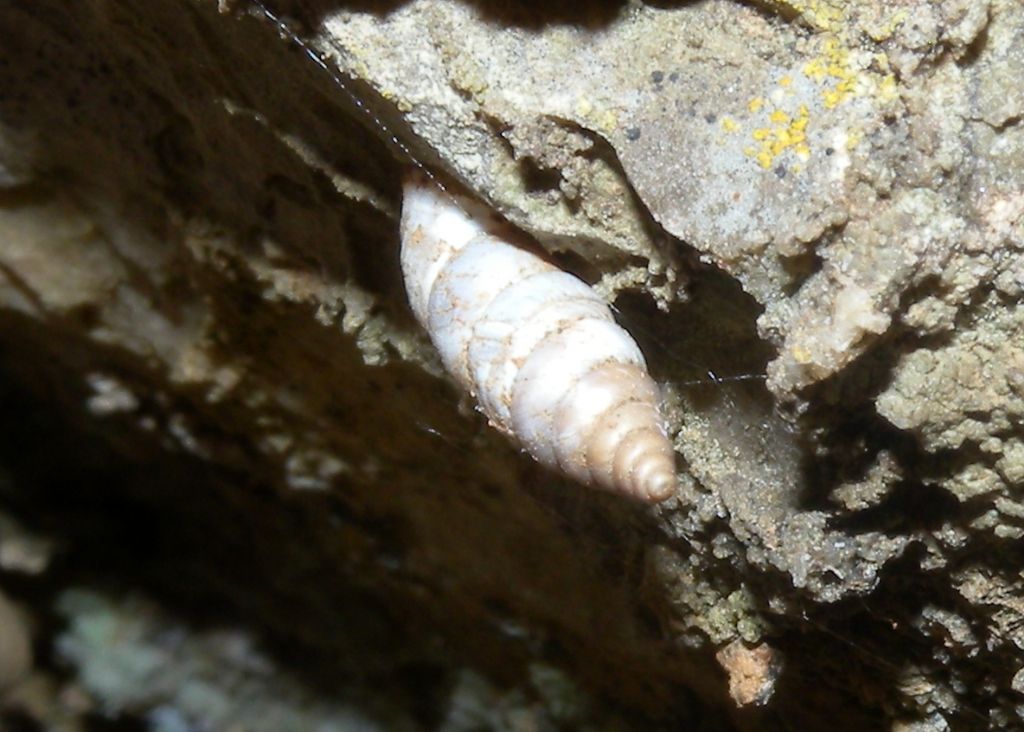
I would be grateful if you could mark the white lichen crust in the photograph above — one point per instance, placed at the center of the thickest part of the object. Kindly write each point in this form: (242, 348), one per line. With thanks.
(537, 348)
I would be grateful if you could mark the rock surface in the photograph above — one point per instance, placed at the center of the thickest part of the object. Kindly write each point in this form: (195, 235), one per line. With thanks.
(810, 213)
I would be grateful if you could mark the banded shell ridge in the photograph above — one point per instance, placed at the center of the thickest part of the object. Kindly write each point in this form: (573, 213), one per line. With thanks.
(536, 347)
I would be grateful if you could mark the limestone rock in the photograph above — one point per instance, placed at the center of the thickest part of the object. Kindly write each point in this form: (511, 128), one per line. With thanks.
(809, 214)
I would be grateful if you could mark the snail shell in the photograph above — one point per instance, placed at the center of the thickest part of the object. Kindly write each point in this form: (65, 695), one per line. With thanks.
(536, 347)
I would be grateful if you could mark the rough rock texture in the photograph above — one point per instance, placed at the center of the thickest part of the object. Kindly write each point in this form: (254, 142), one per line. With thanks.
(809, 212)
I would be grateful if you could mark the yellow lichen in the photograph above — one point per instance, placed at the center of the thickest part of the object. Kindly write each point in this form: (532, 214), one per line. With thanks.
(825, 15)
(841, 69)
(842, 75)
(786, 132)
(887, 90)
(609, 121)
(834, 67)
(755, 104)
(729, 124)
(803, 117)
(885, 30)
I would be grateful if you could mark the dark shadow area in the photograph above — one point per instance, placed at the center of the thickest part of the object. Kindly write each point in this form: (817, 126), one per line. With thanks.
(860, 646)
(843, 434)
(524, 14)
(217, 550)
(708, 346)
(908, 508)
(323, 583)
(899, 626)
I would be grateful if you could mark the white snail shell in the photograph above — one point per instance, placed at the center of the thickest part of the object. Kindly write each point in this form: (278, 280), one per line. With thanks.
(536, 346)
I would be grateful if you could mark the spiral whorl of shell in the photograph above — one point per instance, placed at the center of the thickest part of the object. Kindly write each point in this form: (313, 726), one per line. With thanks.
(537, 347)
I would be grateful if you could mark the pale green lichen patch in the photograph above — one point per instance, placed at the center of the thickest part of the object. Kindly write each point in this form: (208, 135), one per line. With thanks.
(135, 658)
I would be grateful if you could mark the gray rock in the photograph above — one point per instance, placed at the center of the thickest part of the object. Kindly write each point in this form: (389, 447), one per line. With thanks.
(810, 214)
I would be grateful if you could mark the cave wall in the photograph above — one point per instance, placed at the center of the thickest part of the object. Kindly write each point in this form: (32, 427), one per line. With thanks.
(809, 214)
